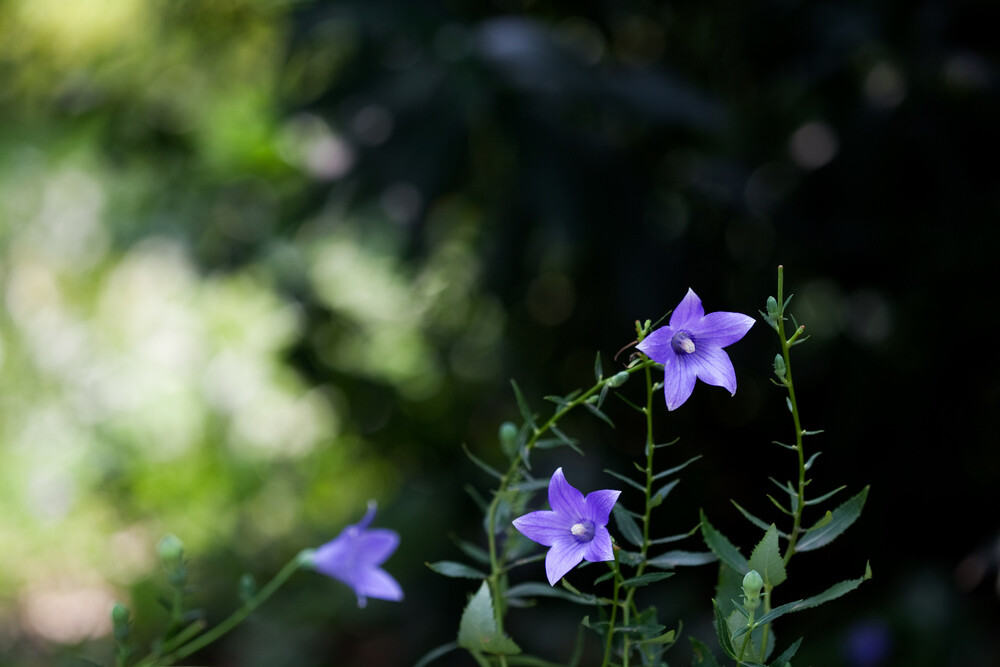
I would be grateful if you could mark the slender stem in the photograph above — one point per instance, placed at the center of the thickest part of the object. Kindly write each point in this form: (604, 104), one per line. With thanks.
(234, 619)
(614, 611)
(786, 344)
(496, 565)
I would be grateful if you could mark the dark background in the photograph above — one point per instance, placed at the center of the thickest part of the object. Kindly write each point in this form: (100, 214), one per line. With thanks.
(599, 158)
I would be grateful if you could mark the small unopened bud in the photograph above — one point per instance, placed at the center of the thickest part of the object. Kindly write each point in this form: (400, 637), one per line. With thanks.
(618, 379)
(752, 584)
(508, 437)
(171, 550)
(120, 619)
(248, 587)
(779, 367)
(772, 309)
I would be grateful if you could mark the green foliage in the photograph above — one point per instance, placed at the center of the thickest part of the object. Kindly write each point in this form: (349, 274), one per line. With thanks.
(478, 631)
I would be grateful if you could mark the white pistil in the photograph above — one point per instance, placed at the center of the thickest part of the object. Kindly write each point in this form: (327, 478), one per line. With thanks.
(578, 529)
(687, 345)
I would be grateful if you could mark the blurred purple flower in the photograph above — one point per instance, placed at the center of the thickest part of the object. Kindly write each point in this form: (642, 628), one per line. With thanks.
(354, 556)
(690, 347)
(574, 528)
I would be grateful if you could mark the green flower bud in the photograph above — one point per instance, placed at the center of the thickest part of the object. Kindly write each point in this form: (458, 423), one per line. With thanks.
(772, 309)
(121, 618)
(752, 585)
(508, 437)
(618, 379)
(171, 550)
(248, 587)
(779, 368)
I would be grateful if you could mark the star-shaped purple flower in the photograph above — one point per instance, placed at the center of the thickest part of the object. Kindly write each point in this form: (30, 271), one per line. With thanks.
(575, 528)
(691, 347)
(354, 556)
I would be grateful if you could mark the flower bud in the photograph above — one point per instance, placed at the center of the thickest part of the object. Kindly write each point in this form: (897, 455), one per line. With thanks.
(171, 550)
(508, 437)
(752, 584)
(248, 587)
(772, 309)
(779, 368)
(618, 379)
(120, 620)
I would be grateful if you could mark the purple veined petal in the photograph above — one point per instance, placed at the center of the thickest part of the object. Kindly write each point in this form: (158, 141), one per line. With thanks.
(678, 381)
(543, 526)
(721, 329)
(563, 497)
(599, 504)
(687, 312)
(376, 544)
(376, 583)
(564, 555)
(600, 549)
(714, 367)
(657, 345)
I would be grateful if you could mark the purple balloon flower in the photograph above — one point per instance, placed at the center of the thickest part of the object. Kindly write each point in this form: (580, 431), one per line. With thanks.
(691, 347)
(574, 528)
(354, 556)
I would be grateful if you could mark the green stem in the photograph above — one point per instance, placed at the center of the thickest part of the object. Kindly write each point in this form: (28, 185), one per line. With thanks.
(786, 344)
(234, 619)
(496, 564)
(614, 612)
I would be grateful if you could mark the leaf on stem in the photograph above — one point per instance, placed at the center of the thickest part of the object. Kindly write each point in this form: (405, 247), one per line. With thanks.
(843, 517)
(451, 568)
(678, 558)
(763, 525)
(646, 579)
(722, 547)
(627, 525)
(766, 559)
(478, 630)
(522, 405)
(671, 471)
(631, 482)
(486, 467)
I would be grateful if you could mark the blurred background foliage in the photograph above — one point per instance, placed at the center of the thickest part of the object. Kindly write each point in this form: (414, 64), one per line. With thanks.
(264, 260)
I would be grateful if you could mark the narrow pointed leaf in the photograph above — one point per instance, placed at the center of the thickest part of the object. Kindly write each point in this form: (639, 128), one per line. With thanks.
(722, 631)
(534, 589)
(627, 525)
(522, 405)
(678, 558)
(490, 470)
(436, 653)
(701, 656)
(661, 493)
(600, 415)
(843, 517)
(628, 480)
(722, 547)
(671, 471)
(450, 568)
(785, 658)
(763, 525)
(825, 496)
(646, 579)
(598, 369)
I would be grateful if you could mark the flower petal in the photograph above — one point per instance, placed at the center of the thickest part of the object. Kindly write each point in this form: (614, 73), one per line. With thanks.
(657, 345)
(376, 583)
(564, 498)
(563, 557)
(721, 329)
(543, 526)
(375, 545)
(687, 312)
(714, 367)
(599, 549)
(331, 558)
(599, 504)
(678, 381)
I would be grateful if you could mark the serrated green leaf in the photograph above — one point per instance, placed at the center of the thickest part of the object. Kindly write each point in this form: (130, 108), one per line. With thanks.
(665, 638)
(627, 525)
(766, 559)
(646, 579)
(842, 519)
(451, 568)
(722, 547)
(478, 631)
(722, 631)
(678, 558)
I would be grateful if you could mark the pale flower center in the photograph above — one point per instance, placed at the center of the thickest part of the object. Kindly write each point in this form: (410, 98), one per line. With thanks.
(682, 342)
(583, 530)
